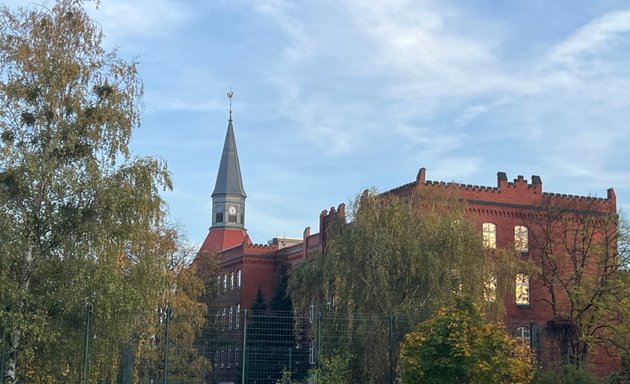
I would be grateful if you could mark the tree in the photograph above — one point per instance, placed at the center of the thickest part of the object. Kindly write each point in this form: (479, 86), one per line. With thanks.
(259, 336)
(457, 345)
(183, 297)
(580, 249)
(399, 255)
(77, 213)
(282, 348)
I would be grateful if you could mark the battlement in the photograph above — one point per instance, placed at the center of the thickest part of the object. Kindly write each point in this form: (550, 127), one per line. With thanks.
(326, 216)
(262, 246)
(518, 191)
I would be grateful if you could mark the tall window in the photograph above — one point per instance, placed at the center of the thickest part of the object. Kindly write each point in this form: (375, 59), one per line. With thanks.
(522, 335)
(521, 239)
(238, 278)
(225, 282)
(230, 317)
(490, 289)
(237, 320)
(522, 289)
(232, 282)
(229, 357)
(218, 216)
(489, 235)
(311, 352)
(237, 355)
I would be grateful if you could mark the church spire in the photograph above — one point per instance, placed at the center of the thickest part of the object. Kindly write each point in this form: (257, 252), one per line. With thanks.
(229, 180)
(228, 197)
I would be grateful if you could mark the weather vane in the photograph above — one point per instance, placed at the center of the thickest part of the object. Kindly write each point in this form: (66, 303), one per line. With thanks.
(230, 94)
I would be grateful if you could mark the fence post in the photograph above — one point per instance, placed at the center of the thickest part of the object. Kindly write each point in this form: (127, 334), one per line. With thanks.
(2, 357)
(126, 365)
(166, 337)
(319, 333)
(86, 347)
(244, 359)
(391, 349)
(290, 358)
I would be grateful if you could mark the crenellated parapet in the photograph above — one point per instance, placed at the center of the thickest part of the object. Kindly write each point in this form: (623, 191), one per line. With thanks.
(261, 247)
(519, 192)
(328, 218)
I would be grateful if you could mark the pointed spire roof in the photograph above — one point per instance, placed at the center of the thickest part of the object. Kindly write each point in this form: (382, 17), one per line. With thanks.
(229, 180)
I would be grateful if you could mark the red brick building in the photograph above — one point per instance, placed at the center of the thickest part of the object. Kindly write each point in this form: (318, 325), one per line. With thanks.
(504, 214)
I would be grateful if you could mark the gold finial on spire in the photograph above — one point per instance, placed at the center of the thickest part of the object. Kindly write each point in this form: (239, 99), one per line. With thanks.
(230, 94)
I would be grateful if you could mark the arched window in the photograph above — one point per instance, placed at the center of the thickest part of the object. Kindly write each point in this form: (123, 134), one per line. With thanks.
(521, 239)
(489, 235)
(218, 215)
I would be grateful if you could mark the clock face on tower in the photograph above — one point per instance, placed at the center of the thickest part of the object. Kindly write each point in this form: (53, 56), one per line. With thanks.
(232, 210)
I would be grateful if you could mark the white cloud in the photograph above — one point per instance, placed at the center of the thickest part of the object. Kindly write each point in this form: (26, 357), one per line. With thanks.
(472, 112)
(592, 37)
(302, 46)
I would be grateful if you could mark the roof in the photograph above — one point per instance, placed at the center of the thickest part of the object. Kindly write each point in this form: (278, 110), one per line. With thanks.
(229, 180)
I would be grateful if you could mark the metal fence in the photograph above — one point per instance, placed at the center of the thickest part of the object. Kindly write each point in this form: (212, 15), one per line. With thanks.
(252, 347)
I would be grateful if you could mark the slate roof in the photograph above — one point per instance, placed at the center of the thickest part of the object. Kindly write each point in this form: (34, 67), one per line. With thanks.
(229, 181)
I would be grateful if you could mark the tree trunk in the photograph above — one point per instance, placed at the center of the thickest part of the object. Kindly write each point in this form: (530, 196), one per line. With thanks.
(10, 375)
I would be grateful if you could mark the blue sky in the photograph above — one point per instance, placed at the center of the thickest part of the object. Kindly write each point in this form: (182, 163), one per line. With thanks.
(332, 97)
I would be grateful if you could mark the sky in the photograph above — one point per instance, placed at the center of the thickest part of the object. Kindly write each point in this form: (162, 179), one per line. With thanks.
(332, 97)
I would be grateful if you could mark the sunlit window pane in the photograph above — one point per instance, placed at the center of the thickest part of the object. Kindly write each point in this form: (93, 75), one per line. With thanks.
(490, 289)
(522, 289)
(521, 239)
(489, 235)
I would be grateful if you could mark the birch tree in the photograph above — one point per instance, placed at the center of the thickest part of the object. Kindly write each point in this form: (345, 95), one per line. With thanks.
(76, 208)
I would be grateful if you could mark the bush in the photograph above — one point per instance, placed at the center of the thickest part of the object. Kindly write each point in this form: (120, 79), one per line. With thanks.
(568, 374)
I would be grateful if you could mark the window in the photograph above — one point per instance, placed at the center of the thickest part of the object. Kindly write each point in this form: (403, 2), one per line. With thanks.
(219, 283)
(229, 357)
(237, 356)
(238, 316)
(222, 358)
(218, 217)
(489, 235)
(224, 317)
(330, 302)
(490, 289)
(216, 358)
(232, 282)
(238, 278)
(230, 317)
(311, 312)
(456, 282)
(311, 352)
(521, 236)
(522, 289)
(522, 335)
(225, 282)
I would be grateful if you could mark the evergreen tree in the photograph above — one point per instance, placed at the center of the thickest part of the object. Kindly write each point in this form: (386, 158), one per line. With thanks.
(259, 337)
